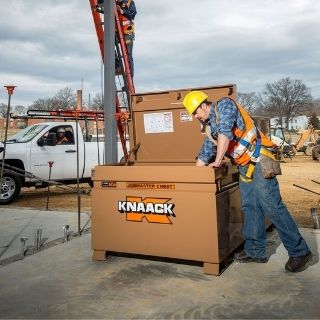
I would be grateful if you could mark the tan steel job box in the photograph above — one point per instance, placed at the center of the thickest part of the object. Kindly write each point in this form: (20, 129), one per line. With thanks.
(163, 205)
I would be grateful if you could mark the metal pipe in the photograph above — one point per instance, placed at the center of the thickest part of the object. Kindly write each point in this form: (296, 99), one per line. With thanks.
(98, 148)
(110, 140)
(65, 233)
(10, 93)
(37, 238)
(78, 179)
(50, 163)
(23, 246)
(306, 189)
(30, 175)
(315, 218)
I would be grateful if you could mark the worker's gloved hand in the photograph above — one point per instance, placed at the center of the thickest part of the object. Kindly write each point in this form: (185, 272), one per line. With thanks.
(99, 9)
(215, 164)
(119, 9)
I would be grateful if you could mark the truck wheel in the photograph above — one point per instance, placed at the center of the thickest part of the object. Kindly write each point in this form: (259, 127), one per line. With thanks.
(292, 152)
(308, 149)
(10, 188)
(316, 153)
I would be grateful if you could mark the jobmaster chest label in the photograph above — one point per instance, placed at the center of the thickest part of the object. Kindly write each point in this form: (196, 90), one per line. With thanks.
(154, 210)
(144, 185)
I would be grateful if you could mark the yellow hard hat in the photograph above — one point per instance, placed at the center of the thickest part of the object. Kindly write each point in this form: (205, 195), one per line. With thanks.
(193, 100)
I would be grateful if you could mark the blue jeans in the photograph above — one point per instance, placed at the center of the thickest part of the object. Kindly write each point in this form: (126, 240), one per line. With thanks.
(129, 41)
(261, 198)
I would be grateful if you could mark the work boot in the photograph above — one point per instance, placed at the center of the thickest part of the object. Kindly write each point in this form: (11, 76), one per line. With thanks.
(297, 264)
(244, 257)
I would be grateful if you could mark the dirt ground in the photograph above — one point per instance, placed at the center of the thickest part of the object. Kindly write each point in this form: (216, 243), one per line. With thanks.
(300, 171)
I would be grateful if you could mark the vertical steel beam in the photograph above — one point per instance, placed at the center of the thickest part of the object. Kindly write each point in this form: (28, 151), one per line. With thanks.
(110, 132)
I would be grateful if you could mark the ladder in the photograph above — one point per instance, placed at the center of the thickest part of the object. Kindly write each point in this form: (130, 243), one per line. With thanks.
(122, 53)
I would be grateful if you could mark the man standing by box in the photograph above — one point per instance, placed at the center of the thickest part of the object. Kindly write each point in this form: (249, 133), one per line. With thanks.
(232, 133)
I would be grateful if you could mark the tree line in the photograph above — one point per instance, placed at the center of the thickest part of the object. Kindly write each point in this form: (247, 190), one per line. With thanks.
(285, 98)
(64, 99)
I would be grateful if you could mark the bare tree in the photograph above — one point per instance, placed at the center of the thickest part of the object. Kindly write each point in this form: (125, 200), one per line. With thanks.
(97, 102)
(315, 108)
(3, 110)
(65, 99)
(314, 121)
(19, 109)
(248, 101)
(286, 98)
(44, 104)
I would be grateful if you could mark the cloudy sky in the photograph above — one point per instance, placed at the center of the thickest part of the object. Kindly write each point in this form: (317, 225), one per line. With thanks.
(50, 44)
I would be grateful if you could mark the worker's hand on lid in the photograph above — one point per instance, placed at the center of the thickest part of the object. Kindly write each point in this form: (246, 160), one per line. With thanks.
(215, 164)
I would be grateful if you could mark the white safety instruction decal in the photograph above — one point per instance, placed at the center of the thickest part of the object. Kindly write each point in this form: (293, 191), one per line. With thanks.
(185, 116)
(158, 122)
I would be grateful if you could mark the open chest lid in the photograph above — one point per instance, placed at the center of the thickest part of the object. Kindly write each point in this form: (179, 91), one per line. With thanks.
(163, 127)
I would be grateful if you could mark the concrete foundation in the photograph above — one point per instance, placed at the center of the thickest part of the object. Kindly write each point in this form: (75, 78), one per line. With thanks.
(63, 282)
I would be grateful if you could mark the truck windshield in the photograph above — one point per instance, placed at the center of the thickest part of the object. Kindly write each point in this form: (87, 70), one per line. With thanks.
(27, 133)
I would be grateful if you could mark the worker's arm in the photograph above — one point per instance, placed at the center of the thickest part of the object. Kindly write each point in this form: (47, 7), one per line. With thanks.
(207, 153)
(200, 163)
(130, 12)
(222, 147)
(228, 119)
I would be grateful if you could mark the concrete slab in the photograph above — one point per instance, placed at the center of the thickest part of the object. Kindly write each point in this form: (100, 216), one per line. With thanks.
(63, 282)
(16, 223)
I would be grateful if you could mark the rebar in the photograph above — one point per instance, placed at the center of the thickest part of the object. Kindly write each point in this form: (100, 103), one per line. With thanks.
(315, 218)
(50, 164)
(23, 246)
(65, 233)
(37, 238)
(306, 189)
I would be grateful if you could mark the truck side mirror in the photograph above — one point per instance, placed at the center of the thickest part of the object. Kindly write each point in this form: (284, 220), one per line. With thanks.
(41, 142)
(51, 139)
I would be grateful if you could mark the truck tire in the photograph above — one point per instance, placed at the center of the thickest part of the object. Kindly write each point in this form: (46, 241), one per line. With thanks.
(308, 149)
(316, 153)
(10, 187)
(290, 151)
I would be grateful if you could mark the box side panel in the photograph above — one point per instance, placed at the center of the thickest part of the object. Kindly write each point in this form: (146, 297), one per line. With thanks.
(229, 220)
(189, 233)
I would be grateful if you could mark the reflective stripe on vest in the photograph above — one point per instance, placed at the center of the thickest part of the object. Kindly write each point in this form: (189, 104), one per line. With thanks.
(127, 25)
(241, 148)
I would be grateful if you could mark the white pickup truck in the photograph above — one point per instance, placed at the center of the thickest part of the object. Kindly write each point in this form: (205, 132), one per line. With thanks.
(31, 149)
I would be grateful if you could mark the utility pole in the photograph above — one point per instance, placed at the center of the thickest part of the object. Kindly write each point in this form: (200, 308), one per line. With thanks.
(110, 129)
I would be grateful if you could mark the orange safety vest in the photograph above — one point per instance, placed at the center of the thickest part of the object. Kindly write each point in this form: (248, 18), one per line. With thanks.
(242, 146)
(127, 25)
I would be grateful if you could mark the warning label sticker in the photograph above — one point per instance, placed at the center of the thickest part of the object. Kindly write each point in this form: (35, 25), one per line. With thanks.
(108, 184)
(185, 116)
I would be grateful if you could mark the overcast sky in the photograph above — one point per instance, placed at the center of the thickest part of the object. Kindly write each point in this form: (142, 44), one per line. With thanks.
(50, 44)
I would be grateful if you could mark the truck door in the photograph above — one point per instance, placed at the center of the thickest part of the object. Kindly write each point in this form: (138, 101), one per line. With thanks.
(63, 155)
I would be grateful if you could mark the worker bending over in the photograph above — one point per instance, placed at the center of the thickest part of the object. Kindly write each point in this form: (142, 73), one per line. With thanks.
(231, 132)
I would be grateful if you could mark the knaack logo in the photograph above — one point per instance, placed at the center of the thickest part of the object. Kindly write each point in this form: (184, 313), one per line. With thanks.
(154, 210)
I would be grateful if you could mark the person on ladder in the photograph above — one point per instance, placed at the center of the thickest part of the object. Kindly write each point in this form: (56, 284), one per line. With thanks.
(127, 12)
